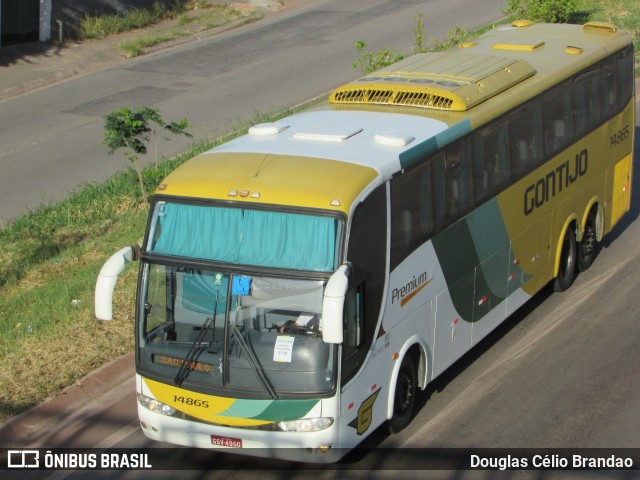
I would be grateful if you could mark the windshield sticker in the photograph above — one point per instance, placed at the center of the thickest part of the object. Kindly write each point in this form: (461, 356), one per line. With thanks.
(241, 286)
(283, 349)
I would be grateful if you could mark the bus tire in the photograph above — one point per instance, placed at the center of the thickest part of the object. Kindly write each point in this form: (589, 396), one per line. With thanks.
(588, 246)
(568, 257)
(404, 398)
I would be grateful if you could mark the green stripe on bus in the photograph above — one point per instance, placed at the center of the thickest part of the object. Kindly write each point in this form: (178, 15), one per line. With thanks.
(422, 150)
(455, 251)
(493, 246)
(271, 410)
(280, 410)
(468, 242)
(418, 153)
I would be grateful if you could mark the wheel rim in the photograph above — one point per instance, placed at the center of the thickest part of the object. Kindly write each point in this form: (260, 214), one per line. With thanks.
(588, 241)
(404, 393)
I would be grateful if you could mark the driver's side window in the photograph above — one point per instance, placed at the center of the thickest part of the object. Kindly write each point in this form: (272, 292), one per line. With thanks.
(353, 329)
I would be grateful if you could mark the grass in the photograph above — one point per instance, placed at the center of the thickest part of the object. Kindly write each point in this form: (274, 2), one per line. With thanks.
(194, 17)
(49, 337)
(50, 258)
(191, 22)
(104, 25)
(137, 46)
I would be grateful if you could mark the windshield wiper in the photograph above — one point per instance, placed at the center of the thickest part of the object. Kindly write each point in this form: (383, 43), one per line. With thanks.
(196, 346)
(248, 351)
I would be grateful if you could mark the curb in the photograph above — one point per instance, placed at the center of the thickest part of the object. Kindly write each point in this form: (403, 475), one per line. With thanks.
(18, 430)
(36, 84)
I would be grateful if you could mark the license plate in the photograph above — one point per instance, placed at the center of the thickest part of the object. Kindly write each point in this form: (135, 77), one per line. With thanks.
(220, 441)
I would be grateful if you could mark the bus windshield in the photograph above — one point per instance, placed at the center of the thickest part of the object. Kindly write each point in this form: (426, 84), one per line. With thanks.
(259, 330)
(215, 329)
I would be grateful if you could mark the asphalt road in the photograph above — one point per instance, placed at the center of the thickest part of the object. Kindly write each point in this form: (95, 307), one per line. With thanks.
(51, 139)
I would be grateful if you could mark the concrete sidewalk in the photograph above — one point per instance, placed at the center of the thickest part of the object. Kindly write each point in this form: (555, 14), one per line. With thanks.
(31, 66)
(27, 67)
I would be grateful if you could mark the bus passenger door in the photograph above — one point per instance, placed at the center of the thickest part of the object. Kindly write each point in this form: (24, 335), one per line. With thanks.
(364, 364)
(362, 404)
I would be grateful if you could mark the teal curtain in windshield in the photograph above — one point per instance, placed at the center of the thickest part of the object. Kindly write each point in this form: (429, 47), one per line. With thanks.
(249, 237)
(288, 240)
(199, 232)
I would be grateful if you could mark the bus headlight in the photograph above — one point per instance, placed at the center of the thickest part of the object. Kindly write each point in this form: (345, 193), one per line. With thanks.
(155, 406)
(306, 424)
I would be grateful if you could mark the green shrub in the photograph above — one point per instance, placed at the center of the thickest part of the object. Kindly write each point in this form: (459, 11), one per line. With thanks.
(455, 36)
(551, 11)
(370, 62)
(105, 25)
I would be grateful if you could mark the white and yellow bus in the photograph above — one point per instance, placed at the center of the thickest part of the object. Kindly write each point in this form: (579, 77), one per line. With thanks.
(299, 284)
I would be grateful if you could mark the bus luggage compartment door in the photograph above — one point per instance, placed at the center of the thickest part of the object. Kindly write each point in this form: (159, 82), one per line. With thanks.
(621, 189)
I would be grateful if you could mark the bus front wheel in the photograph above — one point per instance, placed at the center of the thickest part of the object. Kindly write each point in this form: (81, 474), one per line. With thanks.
(568, 257)
(405, 395)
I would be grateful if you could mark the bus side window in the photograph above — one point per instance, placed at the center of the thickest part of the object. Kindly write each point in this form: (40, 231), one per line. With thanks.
(587, 102)
(624, 77)
(458, 187)
(413, 213)
(556, 118)
(438, 196)
(404, 218)
(609, 87)
(491, 159)
(525, 136)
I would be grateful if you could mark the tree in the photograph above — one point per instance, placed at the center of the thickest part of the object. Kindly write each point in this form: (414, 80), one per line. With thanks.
(131, 129)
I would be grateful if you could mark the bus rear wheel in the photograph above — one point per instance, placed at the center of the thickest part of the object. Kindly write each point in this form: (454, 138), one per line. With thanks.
(404, 398)
(568, 257)
(587, 247)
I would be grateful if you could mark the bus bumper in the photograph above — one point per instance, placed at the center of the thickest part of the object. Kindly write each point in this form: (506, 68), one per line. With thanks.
(311, 447)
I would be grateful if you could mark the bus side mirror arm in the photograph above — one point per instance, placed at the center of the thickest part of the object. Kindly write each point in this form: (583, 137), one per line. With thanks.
(333, 305)
(107, 279)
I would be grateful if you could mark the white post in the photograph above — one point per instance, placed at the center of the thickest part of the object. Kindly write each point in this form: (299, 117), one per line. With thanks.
(45, 20)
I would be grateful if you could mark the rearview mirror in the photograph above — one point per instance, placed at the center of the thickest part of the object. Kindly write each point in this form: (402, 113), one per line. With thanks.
(333, 305)
(107, 279)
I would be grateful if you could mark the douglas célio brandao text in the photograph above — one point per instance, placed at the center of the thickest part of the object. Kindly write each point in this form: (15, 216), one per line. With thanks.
(550, 461)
